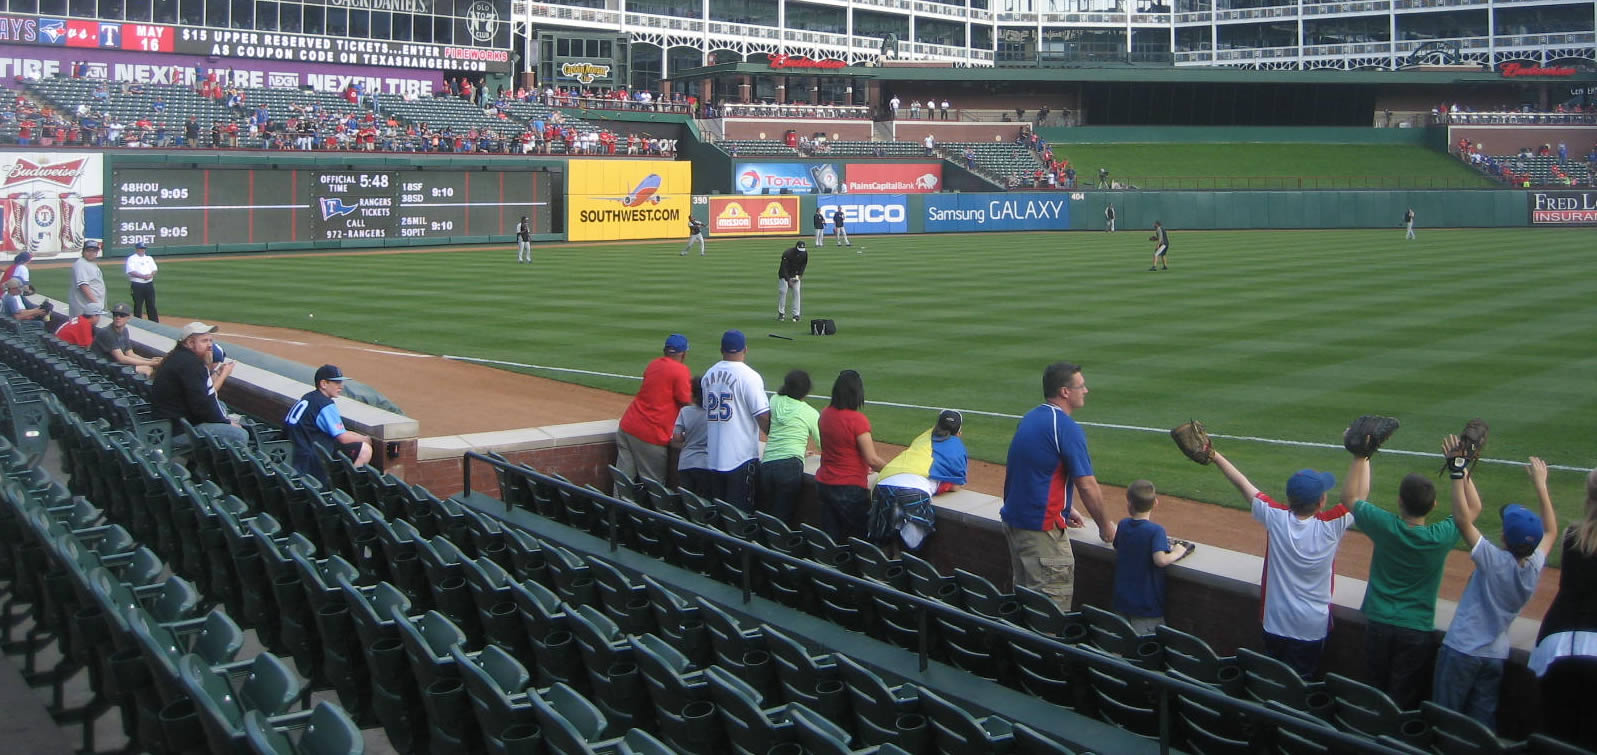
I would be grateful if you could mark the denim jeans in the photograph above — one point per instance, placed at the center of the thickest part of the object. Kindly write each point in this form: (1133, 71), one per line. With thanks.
(843, 510)
(781, 481)
(737, 485)
(1396, 659)
(1468, 684)
(1302, 655)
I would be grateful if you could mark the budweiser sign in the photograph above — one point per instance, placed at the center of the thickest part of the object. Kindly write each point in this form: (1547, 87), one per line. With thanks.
(1516, 70)
(63, 174)
(799, 61)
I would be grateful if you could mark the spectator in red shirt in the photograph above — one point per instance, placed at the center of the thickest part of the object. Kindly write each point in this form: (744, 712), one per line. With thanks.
(645, 431)
(848, 456)
(80, 330)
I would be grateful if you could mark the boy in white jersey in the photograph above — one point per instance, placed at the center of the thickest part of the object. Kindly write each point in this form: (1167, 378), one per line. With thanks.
(736, 411)
(1303, 538)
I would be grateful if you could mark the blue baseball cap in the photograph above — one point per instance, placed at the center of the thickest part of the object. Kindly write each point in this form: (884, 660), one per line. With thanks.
(676, 343)
(1521, 526)
(329, 372)
(733, 341)
(1306, 486)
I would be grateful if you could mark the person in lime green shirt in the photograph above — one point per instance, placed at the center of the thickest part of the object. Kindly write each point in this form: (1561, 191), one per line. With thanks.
(1405, 574)
(793, 428)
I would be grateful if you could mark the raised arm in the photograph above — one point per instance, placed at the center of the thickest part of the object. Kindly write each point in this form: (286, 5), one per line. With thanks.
(1466, 500)
(1237, 479)
(1357, 485)
(1538, 478)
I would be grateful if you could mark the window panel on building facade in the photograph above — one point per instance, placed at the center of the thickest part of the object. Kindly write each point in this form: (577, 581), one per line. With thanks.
(139, 10)
(266, 15)
(290, 18)
(243, 14)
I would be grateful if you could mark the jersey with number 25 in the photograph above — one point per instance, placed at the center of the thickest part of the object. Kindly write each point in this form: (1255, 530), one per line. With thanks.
(734, 395)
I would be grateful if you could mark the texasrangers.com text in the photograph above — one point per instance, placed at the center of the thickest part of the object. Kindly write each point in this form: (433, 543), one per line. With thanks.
(637, 215)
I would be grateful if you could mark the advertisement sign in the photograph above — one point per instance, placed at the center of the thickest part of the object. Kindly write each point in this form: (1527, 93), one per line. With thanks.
(762, 216)
(1563, 207)
(138, 68)
(894, 178)
(50, 202)
(997, 212)
(628, 199)
(482, 34)
(796, 178)
(868, 213)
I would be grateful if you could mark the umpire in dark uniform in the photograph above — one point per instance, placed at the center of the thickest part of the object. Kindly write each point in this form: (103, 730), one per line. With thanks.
(794, 260)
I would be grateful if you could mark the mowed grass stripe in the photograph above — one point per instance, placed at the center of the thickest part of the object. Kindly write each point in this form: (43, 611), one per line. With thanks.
(1272, 334)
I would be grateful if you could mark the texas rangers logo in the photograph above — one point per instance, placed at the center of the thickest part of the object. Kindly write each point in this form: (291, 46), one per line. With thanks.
(334, 207)
(647, 191)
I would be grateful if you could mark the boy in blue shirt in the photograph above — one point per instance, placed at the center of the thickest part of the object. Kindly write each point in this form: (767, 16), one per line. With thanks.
(1142, 551)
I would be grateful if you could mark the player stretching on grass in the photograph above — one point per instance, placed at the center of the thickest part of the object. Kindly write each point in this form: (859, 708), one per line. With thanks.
(695, 236)
(1162, 246)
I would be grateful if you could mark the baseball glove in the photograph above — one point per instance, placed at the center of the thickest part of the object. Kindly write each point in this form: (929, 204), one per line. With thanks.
(1154, 237)
(1470, 444)
(1367, 434)
(1193, 441)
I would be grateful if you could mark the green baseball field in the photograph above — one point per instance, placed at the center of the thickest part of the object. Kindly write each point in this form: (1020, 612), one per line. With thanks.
(1276, 340)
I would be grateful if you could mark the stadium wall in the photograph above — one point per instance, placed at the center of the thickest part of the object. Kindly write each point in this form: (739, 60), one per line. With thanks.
(1237, 134)
(955, 212)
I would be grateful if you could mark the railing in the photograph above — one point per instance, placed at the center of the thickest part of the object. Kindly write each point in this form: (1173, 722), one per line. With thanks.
(610, 103)
(1164, 688)
(1267, 183)
(849, 112)
(1516, 119)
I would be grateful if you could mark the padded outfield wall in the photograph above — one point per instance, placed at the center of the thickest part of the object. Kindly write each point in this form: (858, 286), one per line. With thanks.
(956, 212)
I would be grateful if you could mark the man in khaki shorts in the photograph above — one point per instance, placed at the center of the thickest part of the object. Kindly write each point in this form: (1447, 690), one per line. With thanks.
(1048, 470)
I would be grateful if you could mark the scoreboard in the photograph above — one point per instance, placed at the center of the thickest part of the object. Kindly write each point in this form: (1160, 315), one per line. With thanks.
(260, 205)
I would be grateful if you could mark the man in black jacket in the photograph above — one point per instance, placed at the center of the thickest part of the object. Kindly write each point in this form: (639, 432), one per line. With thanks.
(184, 387)
(794, 260)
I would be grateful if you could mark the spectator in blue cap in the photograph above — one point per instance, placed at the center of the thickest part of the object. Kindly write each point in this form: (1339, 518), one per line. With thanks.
(1303, 537)
(644, 436)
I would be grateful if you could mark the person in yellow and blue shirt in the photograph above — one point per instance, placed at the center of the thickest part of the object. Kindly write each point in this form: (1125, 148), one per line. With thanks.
(933, 463)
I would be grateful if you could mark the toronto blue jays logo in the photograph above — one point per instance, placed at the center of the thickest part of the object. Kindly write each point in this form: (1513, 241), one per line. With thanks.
(647, 190)
(334, 207)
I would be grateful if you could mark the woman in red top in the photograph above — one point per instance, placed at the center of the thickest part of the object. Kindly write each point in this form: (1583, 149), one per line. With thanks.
(848, 456)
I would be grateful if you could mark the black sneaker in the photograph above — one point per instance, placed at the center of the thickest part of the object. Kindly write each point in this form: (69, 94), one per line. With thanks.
(1153, 269)
(795, 318)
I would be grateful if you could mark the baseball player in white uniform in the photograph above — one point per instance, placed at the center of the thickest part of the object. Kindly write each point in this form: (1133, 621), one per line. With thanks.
(737, 411)
(524, 240)
(695, 236)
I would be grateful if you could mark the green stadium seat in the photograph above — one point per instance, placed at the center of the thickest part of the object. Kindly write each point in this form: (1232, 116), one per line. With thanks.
(498, 686)
(958, 731)
(328, 731)
(1365, 710)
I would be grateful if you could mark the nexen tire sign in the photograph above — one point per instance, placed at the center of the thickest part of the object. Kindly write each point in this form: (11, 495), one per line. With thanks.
(626, 199)
(867, 213)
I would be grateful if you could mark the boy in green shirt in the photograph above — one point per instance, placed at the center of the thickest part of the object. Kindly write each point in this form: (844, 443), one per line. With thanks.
(793, 427)
(1405, 574)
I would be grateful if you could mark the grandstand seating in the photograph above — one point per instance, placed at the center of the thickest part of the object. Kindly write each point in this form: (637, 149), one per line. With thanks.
(461, 623)
(1004, 160)
(757, 148)
(1540, 170)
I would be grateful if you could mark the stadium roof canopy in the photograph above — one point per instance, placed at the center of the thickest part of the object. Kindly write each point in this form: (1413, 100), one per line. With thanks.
(1135, 75)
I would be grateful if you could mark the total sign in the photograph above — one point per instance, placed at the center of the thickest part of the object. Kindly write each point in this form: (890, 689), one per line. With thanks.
(867, 213)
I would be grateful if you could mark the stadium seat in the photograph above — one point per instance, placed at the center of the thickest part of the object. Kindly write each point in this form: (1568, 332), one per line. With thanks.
(1454, 732)
(741, 652)
(687, 719)
(544, 619)
(884, 714)
(570, 723)
(1122, 699)
(395, 700)
(1365, 710)
(1266, 680)
(498, 687)
(270, 688)
(959, 732)
(1111, 633)
(810, 680)
(625, 603)
(618, 687)
(875, 565)
(429, 641)
(752, 726)
(820, 736)
(1192, 657)
(328, 731)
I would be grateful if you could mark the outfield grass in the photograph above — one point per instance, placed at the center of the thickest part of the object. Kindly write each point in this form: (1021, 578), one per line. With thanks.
(1276, 335)
(1270, 166)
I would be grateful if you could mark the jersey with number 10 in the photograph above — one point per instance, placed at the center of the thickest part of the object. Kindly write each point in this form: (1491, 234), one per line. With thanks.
(734, 395)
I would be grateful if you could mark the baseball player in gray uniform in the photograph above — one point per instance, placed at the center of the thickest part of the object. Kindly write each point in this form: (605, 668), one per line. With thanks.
(695, 236)
(1162, 246)
(841, 233)
(794, 260)
(524, 240)
(819, 221)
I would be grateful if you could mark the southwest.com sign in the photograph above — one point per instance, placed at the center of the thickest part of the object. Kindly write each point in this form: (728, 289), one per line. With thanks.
(1009, 212)
(609, 200)
(867, 213)
(1563, 207)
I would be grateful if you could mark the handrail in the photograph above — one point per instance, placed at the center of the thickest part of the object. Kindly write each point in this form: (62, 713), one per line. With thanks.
(927, 608)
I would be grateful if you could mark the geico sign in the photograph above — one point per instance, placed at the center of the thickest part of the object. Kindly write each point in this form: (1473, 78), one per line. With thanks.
(873, 213)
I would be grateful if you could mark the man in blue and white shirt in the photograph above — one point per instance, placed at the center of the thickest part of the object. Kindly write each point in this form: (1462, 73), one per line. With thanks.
(315, 421)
